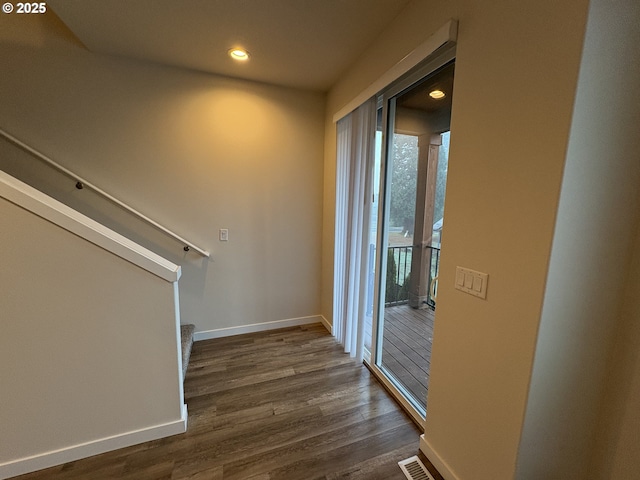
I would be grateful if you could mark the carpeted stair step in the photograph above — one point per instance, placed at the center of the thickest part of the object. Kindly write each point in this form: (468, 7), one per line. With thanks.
(186, 336)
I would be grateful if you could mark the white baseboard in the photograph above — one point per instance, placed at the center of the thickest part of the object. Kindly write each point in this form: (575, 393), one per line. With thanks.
(326, 324)
(258, 327)
(443, 468)
(96, 447)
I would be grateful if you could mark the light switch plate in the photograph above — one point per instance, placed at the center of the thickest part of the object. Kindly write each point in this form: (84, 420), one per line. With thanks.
(471, 282)
(224, 234)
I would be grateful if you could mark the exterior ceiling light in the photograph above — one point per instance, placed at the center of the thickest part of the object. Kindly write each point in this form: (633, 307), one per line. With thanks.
(437, 94)
(239, 54)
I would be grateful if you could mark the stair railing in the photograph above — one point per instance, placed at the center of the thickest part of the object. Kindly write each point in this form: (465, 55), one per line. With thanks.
(82, 183)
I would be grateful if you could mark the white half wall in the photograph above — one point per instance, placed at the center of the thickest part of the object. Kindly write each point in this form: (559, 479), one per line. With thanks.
(38, 203)
(89, 355)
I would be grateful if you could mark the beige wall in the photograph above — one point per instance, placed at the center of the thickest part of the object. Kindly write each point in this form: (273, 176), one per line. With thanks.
(193, 151)
(88, 349)
(588, 273)
(616, 449)
(516, 74)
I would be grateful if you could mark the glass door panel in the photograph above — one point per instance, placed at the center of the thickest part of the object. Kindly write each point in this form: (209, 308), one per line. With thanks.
(417, 124)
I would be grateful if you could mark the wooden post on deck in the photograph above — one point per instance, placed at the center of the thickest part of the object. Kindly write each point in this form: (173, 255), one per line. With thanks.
(428, 149)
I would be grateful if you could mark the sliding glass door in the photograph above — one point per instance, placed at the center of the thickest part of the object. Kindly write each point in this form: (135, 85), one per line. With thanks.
(411, 166)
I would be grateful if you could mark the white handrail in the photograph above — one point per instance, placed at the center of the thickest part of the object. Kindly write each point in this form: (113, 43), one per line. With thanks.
(34, 201)
(86, 183)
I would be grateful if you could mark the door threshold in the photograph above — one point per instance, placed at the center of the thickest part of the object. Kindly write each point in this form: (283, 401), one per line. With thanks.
(415, 415)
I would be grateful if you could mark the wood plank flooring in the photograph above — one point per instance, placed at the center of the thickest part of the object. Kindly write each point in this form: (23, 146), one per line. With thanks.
(285, 404)
(406, 349)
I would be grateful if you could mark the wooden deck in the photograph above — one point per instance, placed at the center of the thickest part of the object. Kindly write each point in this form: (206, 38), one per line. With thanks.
(406, 348)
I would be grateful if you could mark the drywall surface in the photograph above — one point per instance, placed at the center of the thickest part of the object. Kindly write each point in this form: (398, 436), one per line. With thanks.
(595, 233)
(195, 152)
(509, 135)
(89, 348)
(616, 449)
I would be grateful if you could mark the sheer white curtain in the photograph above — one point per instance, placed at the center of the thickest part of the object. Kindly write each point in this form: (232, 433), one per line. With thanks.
(355, 156)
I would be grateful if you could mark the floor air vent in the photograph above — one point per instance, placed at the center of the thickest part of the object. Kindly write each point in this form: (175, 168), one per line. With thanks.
(413, 469)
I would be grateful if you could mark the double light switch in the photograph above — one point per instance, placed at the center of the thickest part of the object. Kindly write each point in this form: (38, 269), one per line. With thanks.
(471, 282)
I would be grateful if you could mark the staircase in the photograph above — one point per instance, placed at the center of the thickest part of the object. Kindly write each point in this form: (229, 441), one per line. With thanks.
(186, 337)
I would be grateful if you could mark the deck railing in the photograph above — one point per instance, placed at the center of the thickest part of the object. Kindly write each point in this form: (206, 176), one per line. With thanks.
(399, 270)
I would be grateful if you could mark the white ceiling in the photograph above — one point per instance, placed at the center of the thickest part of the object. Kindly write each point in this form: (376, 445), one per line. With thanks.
(296, 43)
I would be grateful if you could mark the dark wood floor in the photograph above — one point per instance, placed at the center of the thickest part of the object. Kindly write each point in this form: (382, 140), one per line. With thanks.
(285, 404)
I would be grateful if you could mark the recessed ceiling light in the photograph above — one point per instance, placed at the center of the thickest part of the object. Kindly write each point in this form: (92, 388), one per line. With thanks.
(437, 94)
(238, 54)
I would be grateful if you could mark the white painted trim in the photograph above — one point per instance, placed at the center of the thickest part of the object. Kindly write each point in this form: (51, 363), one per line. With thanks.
(184, 419)
(327, 325)
(176, 306)
(96, 447)
(256, 327)
(447, 33)
(399, 396)
(443, 468)
(60, 214)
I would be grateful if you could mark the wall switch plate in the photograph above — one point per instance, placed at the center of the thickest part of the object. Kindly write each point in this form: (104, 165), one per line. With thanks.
(471, 282)
(224, 234)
